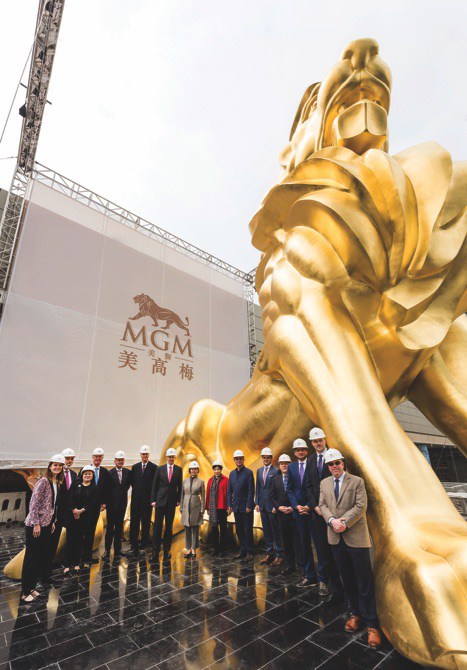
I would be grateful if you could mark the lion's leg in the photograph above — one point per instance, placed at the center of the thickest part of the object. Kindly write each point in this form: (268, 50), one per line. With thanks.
(440, 390)
(138, 316)
(420, 540)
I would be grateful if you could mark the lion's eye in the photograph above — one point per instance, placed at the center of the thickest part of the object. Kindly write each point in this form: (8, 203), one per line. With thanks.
(378, 102)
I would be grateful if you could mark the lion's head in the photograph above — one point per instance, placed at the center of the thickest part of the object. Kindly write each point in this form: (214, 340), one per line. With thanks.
(141, 298)
(349, 108)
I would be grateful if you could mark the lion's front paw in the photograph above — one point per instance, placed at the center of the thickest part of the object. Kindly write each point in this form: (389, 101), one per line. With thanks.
(422, 593)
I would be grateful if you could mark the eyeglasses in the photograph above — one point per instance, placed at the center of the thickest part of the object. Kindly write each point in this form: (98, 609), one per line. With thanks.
(334, 463)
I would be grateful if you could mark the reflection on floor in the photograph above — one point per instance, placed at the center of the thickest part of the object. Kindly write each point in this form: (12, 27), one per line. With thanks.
(187, 614)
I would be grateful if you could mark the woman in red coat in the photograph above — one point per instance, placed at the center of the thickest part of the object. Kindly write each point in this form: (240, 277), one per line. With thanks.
(216, 506)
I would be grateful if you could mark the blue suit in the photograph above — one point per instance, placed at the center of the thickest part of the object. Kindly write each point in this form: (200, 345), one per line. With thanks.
(298, 495)
(269, 520)
(240, 497)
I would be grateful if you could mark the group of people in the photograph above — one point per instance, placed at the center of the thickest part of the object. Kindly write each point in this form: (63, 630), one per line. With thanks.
(310, 502)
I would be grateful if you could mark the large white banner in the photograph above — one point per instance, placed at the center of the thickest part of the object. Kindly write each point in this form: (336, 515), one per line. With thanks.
(108, 336)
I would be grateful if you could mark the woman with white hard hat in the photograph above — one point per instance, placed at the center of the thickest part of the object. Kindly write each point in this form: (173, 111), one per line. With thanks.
(40, 525)
(82, 502)
(192, 508)
(216, 506)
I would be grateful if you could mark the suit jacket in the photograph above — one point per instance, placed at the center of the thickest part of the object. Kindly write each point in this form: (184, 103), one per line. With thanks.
(117, 498)
(42, 508)
(263, 490)
(279, 495)
(314, 479)
(103, 485)
(297, 492)
(351, 506)
(141, 483)
(63, 510)
(163, 493)
(241, 490)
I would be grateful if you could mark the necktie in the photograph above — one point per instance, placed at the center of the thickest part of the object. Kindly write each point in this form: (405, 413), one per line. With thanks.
(67, 479)
(170, 473)
(119, 476)
(320, 464)
(265, 474)
(285, 482)
(144, 467)
(336, 488)
(96, 470)
(301, 472)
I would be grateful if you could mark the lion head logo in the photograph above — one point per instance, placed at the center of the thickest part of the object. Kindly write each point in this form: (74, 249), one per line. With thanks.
(349, 108)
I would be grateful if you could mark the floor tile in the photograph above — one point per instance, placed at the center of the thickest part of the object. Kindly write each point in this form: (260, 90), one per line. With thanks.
(291, 633)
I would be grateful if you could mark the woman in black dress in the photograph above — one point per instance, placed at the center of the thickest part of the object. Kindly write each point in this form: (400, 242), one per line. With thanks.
(82, 501)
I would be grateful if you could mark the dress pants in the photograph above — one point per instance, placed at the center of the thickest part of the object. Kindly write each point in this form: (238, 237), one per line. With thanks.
(114, 530)
(191, 537)
(53, 544)
(79, 534)
(36, 561)
(244, 529)
(140, 517)
(326, 557)
(305, 529)
(272, 535)
(354, 565)
(220, 529)
(287, 530)
(89, 536)
(167, 514)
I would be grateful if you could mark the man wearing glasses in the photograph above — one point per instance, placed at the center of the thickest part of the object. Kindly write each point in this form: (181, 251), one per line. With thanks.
(343, 504)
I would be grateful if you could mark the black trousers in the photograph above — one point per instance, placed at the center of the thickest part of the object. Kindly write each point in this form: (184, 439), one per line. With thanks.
(219, 531)
(36, 563)
(163, 514)
(244, 530)
(79, 536)
(53, 544)
(114, 530)
(140, 517)
(91, 531)
(323, 549)
(287, 531)
(354, 565)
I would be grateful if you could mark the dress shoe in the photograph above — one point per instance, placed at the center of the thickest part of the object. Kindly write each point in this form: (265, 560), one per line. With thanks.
(276, 561)
(248, 558)
(239, 557)
(287, 571)
(106, 556)
(374, 638)
(323, 590)
(354, 623)
(266, 561)
(306, 583)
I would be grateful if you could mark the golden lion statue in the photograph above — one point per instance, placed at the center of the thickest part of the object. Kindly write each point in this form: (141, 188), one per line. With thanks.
(362, 288)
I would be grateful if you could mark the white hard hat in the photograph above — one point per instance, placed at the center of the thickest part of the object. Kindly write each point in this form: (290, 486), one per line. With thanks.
(98, 451)
(88, 468)
(332, 455)
(193, 464)
(285, 458)
(316, 434)
(217, 463)
(266, 451)
(68, 453)
(58, 458)
(299, 443)
(144, 449)
(171, 452)
(238, 454)
(119, 454)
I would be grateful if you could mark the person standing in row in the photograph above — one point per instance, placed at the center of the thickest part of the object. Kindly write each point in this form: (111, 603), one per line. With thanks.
(317, 471)
(82, 503)
(284, 513)
(142, 476)
(165, 497)
(240, 498)
(192, 508)
(297, 492)
(264, 478)
(102, 481)
(40, 526)
(216, 506)
(343, 503)
(117, 501)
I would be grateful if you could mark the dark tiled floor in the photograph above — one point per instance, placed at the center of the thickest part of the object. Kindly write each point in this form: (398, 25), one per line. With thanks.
(132, 615)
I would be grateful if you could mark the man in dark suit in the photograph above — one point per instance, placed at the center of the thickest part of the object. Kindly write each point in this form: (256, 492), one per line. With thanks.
(102, 481)
(298, 495)
(165, 496)
(240, 500)
(117, 500)
(317, 470)
(142, 476)
(269, 521)
(284, 513)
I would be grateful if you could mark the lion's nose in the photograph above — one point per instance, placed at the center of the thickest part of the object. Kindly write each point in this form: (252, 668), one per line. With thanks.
(359, 52)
